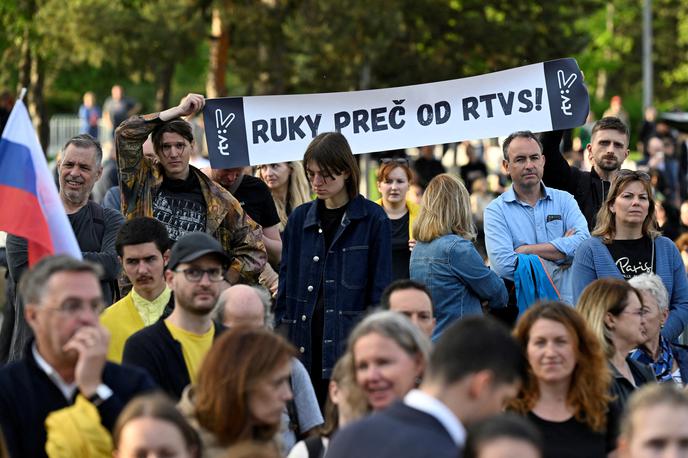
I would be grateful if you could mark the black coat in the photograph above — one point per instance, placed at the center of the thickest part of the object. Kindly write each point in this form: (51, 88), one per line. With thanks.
(27, 396)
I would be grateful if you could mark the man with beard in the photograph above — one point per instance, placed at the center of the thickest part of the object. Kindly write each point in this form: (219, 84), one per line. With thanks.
(173, 348)
(143, 249)
(607, 150)
(65, 365)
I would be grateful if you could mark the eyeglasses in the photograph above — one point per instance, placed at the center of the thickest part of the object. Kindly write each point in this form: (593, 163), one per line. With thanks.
(395, 160)
(167, 147)
(74, 307)
(641, 313)
(194, 274)
(637, 174)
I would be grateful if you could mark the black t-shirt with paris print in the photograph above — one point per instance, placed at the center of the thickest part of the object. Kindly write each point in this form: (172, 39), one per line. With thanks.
(632, 257)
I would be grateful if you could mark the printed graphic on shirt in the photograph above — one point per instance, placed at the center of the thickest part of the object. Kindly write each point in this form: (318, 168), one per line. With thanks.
(632, 257)
(179, 215)
(630, 269)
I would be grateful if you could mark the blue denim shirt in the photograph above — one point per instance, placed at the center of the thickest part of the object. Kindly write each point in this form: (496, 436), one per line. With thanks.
(510, 223)
(457, 278)
(353, 273)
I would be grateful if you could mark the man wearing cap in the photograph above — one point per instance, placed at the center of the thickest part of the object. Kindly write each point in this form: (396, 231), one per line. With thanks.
(173, 348)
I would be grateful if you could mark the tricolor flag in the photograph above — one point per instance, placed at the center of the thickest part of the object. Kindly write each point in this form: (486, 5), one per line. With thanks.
(30, 206)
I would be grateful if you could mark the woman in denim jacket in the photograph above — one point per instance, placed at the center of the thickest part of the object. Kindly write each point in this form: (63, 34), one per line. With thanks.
(446, 260)
(336, 259)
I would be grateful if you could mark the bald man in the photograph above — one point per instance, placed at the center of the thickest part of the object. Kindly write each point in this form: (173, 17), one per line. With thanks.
(242, 305)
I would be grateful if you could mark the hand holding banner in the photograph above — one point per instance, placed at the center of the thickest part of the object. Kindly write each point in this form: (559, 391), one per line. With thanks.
(264, 129)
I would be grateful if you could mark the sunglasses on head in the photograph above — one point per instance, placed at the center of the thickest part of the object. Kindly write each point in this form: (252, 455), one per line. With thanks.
(395, 160)
(625, 173)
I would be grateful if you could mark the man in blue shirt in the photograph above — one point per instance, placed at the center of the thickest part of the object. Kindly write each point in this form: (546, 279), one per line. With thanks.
(531, 218)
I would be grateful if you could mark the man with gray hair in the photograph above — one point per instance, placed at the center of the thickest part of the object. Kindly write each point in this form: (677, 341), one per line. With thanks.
(668, 360)
(95, 229)
(65, 365)
(242, 305)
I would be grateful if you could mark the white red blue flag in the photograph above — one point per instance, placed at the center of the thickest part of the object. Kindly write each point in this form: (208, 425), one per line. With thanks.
(30, 206)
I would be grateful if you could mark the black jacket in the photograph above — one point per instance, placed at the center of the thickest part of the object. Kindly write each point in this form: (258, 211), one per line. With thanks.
(27, 396)
(154, 349)
(587, 188)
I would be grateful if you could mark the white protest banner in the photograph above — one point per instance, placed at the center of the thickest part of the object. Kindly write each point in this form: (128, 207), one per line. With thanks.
(277, 128)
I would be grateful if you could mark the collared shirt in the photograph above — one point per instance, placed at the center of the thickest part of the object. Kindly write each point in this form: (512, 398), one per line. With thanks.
(67, 389)
(510, 223)
(151, 311)
(425, 403)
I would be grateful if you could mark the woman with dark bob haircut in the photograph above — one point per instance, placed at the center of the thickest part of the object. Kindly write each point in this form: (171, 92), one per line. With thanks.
(336, 259)
(566, 394)
(242, 389)
(152, 424)
(626, 243)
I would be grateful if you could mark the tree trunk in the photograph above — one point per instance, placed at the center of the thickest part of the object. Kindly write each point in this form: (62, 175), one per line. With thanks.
(39, 114)
(163, 82)
(602, 78)
(216, 85)
(25, 63)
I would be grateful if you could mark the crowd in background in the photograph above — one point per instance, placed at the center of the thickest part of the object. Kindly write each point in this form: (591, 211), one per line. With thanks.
(529, 302)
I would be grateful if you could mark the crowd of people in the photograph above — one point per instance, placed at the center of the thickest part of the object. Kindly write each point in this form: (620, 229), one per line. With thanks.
(277, 312)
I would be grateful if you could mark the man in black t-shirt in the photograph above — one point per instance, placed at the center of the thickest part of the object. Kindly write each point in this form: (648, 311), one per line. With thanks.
(178, 194)
(95, 229)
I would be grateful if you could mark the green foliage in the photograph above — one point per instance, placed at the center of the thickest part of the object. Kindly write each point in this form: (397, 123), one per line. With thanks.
(304, 46)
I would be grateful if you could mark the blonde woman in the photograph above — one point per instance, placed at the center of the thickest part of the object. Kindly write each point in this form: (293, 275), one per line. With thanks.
(288, 185)
(445, 258)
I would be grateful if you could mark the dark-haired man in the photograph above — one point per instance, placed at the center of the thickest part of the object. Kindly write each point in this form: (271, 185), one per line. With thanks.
(530, 218)
(607, 150)
(66, 362)
(143, 249)
(475, 367)
(412, 299)
(178, 194)
(172, 349)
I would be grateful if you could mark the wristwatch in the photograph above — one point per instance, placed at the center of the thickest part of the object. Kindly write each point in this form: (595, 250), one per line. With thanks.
(102, 394)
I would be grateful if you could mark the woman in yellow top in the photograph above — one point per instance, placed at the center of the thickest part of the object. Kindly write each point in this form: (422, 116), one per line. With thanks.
(393, 180)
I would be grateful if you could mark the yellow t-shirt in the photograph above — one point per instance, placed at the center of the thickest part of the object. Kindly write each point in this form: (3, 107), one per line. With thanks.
(194, 347)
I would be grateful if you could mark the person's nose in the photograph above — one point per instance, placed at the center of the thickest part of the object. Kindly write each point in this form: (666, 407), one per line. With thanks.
(287, 394)
(141, 267)
(318, 180)
(205, 279)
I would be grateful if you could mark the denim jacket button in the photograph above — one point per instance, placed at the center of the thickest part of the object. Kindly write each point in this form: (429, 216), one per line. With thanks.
(310, 288)
(319, 230)
(316, 259)
(302, 350)
(304, 317)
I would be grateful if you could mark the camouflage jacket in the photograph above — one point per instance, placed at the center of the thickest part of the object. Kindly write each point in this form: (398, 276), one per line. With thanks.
(140, 179)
